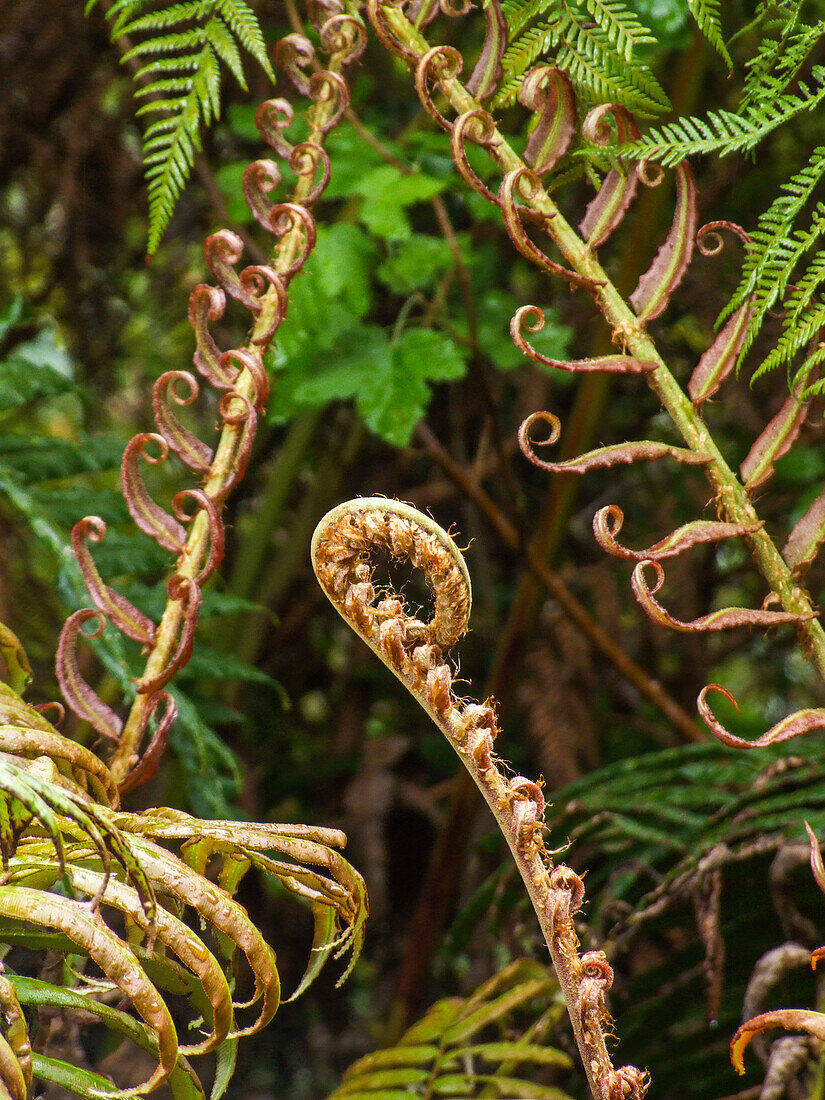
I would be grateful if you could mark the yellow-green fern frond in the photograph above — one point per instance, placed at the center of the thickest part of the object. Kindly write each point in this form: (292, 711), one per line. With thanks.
(492, 1043)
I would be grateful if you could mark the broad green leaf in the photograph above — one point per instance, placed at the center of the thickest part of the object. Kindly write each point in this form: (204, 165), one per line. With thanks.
(352, 158)
(415, 263)
(386, 195)
(389, 381)
(393, 403)
(343, 257)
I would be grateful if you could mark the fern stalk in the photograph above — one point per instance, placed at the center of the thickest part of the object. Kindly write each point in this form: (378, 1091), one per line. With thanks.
(196, 550)
(731, 499)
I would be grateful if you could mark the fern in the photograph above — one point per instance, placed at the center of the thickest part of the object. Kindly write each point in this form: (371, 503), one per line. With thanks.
(706, 14)
(778, 60)
(446, 1052)
(180, 77)
(777, 251)
(594, 41)
(726, 132)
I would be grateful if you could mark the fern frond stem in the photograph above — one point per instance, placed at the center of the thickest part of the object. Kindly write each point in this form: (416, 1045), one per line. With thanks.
(731, 499)
(413, 651)
(578, 614)
(195, 553)
(221, 210)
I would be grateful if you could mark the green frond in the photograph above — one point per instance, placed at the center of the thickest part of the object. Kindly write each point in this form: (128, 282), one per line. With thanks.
(181, 49)
(774, 257)
(518, 13)
(183, 64)
(706, 14)
(244, 25)
(812, 280)
(224, 46)
(169, 43)
(812, 363)
(522, 54)
(168, 17)
(723, 132)
(623, 29)
(593, 41)
(445, 1052)
(796, 337)
(777, 62)
(602, 77)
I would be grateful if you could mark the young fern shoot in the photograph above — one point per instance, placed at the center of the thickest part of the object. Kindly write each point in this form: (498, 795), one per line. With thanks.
(414, 651)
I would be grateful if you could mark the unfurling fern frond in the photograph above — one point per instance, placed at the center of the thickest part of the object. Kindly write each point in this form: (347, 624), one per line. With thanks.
(180, 49)
(594, 41)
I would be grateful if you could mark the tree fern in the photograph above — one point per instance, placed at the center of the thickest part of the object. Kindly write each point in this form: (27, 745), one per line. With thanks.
(180, 49)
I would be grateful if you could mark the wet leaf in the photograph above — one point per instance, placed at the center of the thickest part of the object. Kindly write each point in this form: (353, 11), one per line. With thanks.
(115, 958)
(791, 1019)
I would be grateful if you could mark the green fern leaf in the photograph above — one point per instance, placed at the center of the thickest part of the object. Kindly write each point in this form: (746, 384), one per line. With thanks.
(444, 1053)
(706, 14)
(623, 29)
(777, 64)
(181, 48)
(168, 17)
(724, 132)
(224, 46)
(775, 255)
(243, 24)
(602, 77)
(592, 40)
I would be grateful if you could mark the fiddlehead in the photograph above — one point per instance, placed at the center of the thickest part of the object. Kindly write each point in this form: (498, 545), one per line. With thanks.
(414, 650)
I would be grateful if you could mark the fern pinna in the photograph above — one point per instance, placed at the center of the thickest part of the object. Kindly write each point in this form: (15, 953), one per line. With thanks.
(108, 890)
(177, 52)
